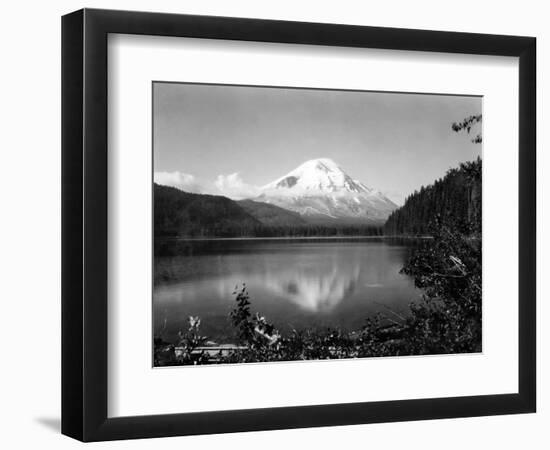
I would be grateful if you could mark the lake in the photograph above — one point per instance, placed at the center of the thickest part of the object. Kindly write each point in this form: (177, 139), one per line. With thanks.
(294, 283)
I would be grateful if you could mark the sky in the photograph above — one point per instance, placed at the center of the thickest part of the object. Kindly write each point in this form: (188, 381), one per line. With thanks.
(231, 140)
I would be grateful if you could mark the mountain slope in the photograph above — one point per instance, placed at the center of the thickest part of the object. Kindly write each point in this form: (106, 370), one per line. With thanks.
(454, 200)
(178, 213)
(319, 190)
(271, 215)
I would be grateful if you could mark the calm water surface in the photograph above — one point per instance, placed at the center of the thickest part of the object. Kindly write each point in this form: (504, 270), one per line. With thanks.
(294, 283)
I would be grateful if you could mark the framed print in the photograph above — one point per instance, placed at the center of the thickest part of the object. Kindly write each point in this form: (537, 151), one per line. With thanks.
(273, 224)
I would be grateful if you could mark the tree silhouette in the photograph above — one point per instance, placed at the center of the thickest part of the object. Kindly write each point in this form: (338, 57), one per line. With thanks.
(467, 124)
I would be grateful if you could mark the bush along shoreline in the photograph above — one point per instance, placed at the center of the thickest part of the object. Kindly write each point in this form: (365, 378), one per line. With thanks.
(447, 320)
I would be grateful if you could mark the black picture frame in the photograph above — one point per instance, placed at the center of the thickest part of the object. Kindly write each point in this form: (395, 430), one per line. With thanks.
(84, 224)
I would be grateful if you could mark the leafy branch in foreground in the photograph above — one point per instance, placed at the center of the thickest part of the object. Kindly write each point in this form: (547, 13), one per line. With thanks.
(449, 271)
(467, 124)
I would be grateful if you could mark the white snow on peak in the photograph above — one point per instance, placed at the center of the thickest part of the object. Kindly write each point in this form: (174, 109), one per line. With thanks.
(319, 187)
(320, 175)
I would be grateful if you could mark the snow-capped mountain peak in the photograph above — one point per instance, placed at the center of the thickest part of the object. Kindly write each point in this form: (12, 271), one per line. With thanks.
(321, 175)
(320, 188)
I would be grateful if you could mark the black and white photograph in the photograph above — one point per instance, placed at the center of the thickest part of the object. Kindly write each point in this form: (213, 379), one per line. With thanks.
(299, 224)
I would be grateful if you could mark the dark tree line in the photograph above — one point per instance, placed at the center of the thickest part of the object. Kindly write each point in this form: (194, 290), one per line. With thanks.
(453, 200)
(316, 230)
(267, 231)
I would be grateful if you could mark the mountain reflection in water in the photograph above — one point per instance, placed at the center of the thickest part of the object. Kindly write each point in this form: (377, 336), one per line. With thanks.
(314, 290)
(295, 284)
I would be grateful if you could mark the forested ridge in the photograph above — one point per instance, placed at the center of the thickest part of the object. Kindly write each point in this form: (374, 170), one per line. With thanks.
(178, 213)
(182, 214)
(454, 199)
(271, 215)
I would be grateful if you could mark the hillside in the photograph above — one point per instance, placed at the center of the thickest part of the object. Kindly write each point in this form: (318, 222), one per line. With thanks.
(454, 200)
(178, 213)
(271, 215)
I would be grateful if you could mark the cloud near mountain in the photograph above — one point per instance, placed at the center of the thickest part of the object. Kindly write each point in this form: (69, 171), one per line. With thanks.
(184, 181)
(233, 186)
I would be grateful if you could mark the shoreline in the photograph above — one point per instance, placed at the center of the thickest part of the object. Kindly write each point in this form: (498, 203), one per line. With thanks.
(289, 238)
